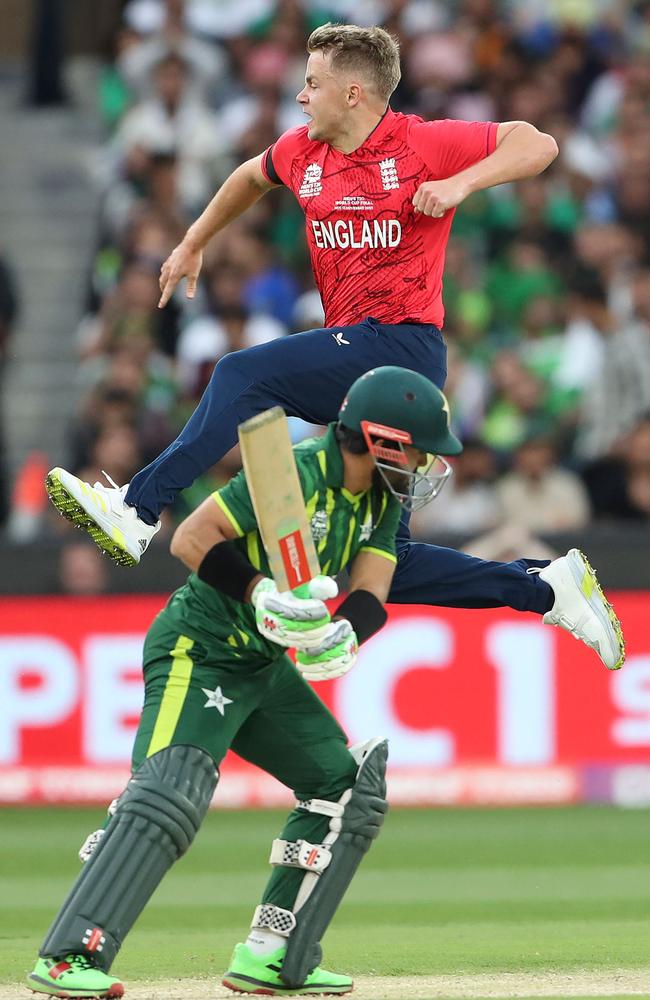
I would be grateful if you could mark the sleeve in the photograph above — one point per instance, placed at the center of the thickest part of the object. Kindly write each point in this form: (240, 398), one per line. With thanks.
(268, 167)
(235, 502)
(448, 146)
(382, 540)
(277, 159)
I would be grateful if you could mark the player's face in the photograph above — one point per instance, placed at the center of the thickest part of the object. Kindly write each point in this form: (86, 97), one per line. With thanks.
(323, 99)
(395, 476)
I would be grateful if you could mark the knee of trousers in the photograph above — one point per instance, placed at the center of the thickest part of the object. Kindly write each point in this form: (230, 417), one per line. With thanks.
(354, 822)
(236, 371)
(155, 821)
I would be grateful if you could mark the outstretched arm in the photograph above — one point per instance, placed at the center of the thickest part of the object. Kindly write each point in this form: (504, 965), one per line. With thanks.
(521, 151)
(243, 188)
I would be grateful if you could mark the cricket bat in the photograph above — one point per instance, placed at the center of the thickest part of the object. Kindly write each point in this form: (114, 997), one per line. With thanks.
(279, 506)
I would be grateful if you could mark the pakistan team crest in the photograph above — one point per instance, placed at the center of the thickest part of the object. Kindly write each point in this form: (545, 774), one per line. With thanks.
(366, 530)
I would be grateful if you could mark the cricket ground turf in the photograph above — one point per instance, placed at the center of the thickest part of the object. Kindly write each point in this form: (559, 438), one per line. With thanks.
(449, 903)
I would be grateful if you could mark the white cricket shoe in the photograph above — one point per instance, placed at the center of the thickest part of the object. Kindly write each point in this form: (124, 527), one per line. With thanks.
(582, 609)
(101, 511)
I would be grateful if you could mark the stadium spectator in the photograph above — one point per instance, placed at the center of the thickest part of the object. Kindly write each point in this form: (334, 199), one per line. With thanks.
(206, 63)
(619, 483)
(175, 121)
(540, 496)
(620, 395)
(82, 569)
(468, 503)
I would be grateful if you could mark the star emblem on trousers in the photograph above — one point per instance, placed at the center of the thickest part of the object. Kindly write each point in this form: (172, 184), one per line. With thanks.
(216, 699)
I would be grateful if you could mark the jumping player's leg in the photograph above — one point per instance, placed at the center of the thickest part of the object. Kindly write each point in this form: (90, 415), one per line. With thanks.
(433, 574)
(307, 374)
(565, 591)
(341, 806)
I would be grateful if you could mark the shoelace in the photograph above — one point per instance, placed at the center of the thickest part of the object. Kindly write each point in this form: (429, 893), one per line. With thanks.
(101, 486)
(80, 963)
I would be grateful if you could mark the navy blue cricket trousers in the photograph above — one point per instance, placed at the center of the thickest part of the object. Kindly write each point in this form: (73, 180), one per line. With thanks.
(308, 375)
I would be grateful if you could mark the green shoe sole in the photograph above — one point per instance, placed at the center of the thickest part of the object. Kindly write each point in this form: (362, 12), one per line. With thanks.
(72, 510)
(38, 985)
(611, 614)
(247, 984)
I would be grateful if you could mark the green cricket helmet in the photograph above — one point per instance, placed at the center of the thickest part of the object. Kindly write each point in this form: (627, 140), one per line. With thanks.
(393, 407)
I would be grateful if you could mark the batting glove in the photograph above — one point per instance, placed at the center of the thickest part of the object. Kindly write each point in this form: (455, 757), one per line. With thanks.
(332, 656)
(290, 621)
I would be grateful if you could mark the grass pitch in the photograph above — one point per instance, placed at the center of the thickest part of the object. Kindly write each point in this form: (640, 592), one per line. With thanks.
(470, 897)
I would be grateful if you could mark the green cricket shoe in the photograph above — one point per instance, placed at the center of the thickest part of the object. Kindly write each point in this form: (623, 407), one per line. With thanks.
(73, 976)
(251, 973)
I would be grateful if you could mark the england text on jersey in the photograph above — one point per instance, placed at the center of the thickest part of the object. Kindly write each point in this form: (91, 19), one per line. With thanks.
(355, 235)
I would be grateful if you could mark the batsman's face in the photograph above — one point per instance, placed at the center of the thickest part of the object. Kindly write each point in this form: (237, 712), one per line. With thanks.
(323, 100)
(415, 481)
(394, 473)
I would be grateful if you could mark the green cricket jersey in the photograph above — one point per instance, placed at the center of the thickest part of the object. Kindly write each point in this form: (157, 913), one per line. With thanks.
(342, 525)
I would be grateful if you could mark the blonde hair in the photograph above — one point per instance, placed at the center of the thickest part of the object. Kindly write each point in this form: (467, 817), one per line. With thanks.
(372, 50)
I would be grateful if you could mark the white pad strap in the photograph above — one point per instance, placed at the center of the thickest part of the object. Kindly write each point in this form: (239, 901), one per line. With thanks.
(90, 845)
(300, 854)
(310, 880)
(91, 842)
(335, 811)
(321, 806)
(275, 918)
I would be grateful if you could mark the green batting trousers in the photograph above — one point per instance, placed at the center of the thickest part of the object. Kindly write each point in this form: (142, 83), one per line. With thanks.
(267, 714)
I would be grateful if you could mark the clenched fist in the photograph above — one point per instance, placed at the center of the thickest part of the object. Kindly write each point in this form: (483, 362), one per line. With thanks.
(434, 198)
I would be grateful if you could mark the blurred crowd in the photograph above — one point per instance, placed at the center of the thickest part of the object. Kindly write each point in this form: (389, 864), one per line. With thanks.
(547, 285)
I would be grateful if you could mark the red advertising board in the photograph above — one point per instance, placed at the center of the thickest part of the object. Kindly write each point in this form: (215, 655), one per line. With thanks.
(479, 706)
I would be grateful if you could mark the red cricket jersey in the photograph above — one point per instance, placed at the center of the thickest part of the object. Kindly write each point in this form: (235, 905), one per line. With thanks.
(372, 254)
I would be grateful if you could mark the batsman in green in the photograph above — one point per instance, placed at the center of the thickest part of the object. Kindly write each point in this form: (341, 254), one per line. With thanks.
(217, 677)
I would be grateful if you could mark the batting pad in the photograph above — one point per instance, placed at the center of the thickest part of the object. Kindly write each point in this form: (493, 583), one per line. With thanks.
(155, 822)
(353, 827)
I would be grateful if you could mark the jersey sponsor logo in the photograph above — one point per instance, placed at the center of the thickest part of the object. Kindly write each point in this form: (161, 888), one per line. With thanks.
(354, 235)
(340, 339)
(388, 172)
(319, 525)
(311, 182)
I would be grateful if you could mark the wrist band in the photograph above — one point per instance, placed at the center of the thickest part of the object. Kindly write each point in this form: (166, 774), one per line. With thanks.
(364, 611)
(228, 570)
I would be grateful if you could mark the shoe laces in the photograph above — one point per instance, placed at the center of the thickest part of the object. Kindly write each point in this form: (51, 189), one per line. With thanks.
(80, 963)
(101, 486)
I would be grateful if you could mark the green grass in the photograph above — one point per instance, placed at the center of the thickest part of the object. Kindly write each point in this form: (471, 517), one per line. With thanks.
(457, 891)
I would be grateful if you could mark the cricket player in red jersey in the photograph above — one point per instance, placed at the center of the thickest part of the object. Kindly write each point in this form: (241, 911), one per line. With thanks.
(379, 190)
